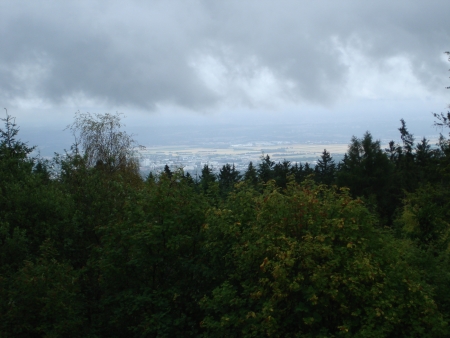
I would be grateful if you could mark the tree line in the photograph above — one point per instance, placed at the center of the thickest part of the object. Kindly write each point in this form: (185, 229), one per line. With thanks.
(381, 177)
(89, 248)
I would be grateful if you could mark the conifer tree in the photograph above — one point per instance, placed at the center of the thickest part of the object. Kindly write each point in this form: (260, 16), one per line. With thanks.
(13, 152)
(167, 171)
(301, 172)
(228, 176)
(367, 171)
(405, 162)
(150, 177)
(251, 175)
(281, 171)
(207, 177)
(325, 168)
(265, 169)
(188, 178)
(307, 169)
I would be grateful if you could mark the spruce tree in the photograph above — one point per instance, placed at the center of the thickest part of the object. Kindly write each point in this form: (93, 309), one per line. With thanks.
(325, 168)
(13, 153)
(150, 177)
(367, 171)
(297, 171)
(281, 171)
(167, 171)
(228, 176)
(207, 178)
(265, 169)
(251, 175)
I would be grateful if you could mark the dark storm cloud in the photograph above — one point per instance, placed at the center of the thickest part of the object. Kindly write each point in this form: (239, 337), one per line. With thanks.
(148, 53)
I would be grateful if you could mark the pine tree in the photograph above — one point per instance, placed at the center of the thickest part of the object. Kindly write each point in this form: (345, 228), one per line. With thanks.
(207, 178)
(14, 154)
(367, 171)
(150, 177)
(325, 169)
(228, 176)
(307, 169)
(297, 171)
(167, 171)
(393, 151)
(407, 138)
(251, 175)
(189, 179)
(265, 169)
(281, 171)
(426, 162)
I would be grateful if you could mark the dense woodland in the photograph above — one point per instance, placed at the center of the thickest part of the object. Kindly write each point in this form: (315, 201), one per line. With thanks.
(89, 248)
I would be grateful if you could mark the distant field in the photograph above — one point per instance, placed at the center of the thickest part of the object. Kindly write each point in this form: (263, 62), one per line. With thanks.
(233, 150)
(251, 152)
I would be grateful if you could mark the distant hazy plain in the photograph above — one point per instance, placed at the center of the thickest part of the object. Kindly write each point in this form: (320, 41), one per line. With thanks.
(323, 135)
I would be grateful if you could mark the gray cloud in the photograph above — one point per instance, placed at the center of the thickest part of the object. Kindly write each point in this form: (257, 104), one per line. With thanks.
(199, 54)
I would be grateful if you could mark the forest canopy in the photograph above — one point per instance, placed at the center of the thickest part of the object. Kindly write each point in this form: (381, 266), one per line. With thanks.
(89, 248)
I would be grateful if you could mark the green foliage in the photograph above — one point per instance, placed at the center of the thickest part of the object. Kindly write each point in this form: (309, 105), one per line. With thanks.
(265, 169)
(31, 207)
(251, 174)
(302, 172)
(425, 217)
(10, 148)
(325, 169)
(281, 173)
(208, 180)
(424, 220)
(41, 299)
(13, 248)
(90, 249)
(15, 164)
(405, 163)
(311, 263)
(228, 177)
(167, 171)
(150, 269)
(366, 170)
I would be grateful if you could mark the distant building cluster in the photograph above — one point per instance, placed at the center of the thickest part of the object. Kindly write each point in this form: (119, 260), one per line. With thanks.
(193, 159)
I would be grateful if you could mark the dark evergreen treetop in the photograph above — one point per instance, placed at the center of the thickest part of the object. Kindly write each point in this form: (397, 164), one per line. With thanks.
(228, 177)
(10, 146)
(265, 167)
(325, 168)
(251, 175)
(167, 171)
(207, 178)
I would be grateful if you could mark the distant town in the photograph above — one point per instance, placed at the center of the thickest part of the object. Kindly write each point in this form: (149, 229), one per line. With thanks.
(192, 158)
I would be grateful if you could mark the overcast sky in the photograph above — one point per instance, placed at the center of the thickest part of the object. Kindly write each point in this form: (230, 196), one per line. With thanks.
(202, 62)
